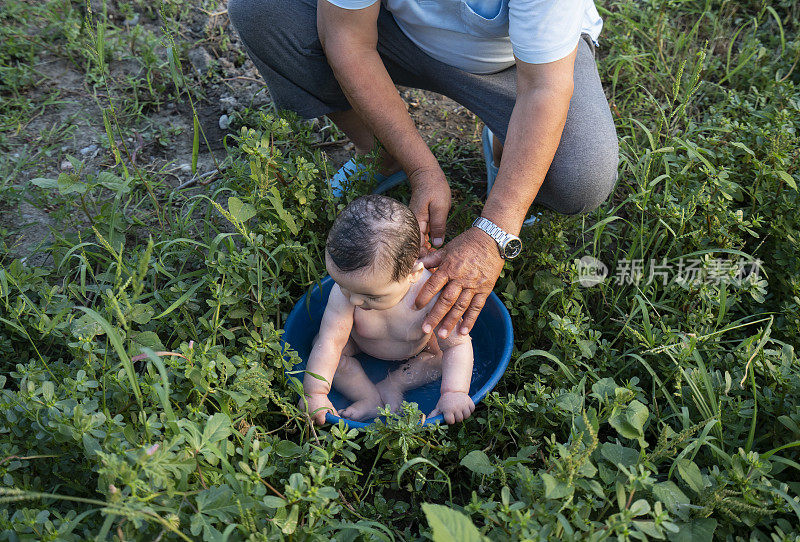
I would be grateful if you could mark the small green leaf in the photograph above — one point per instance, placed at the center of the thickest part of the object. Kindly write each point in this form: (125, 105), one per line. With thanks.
(239, 210)
(604, 389)
(288, 220)
(449, 525)
(671, 495)
(271, 501)
(141, 313)
(744, 147)
(217, 428)
(788, 179)
(69, 183)
(649, 528)
(290, 523)
(690, 473)
(478, 462)
(218, 502)
(86, 326)
(617, 454)
(629, 421)
(553, 488)
(570, 402)
(112, 182)
(148, 339)
(45, 183)
(698, 530)
(287, 448)
(639, 508)
(48, 390)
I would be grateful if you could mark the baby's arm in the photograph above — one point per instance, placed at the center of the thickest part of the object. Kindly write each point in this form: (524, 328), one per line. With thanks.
(334, 331)
(455, 403)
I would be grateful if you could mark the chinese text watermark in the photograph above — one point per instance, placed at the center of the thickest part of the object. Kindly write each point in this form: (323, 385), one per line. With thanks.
(592, 271)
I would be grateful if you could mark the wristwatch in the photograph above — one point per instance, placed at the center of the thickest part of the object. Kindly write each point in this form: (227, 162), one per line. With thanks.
(509, 245)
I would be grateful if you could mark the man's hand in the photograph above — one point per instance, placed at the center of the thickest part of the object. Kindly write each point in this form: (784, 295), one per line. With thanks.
(430, 203)
(318, 405)
(468, 267)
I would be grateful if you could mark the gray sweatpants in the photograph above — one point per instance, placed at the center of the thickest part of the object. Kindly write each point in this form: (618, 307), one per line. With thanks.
(281, 38)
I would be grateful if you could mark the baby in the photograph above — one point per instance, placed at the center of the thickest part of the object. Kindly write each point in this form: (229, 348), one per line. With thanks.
(372, 254)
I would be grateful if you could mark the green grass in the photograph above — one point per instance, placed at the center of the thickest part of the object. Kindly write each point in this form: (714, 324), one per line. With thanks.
(630, 410)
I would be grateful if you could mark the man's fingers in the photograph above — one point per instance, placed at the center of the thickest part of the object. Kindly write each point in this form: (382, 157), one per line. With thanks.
(454, 315)
(446, 300)
(471, 315)
(434, 283)
(438, 221)
(434, 412)
(449, 418)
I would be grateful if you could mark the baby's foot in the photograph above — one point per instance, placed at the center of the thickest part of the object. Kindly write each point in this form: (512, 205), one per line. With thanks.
(363, 409)
(391, 394)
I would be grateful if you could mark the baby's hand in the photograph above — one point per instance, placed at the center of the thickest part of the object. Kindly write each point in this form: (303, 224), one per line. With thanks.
(318, 405)
(456, 406)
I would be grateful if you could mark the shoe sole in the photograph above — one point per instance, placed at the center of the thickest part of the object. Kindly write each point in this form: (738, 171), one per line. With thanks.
(352, 168)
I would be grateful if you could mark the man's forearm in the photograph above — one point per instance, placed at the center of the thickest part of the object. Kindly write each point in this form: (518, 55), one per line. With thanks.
(534, 132)
(371, 92)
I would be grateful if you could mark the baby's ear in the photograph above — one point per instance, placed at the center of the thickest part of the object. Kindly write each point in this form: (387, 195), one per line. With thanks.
(416, 271)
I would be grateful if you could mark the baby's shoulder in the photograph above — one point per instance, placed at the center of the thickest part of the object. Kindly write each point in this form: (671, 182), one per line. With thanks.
(337, 300)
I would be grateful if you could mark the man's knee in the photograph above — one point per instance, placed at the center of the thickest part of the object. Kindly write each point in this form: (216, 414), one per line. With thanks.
(582, 184)
(601, 177)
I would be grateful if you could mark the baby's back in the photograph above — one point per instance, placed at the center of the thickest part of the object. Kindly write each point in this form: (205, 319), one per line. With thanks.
(395, 333)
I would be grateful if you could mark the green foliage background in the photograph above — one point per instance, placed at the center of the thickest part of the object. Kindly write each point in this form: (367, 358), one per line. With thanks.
(143, 393)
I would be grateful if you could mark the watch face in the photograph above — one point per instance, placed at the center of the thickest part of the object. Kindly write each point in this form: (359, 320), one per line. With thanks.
(512, 249)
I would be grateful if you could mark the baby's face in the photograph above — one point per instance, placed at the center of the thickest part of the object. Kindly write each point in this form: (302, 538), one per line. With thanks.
(371, 288)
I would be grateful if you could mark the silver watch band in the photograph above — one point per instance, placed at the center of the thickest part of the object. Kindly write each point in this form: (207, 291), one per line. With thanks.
(492, 229)
(508, 245)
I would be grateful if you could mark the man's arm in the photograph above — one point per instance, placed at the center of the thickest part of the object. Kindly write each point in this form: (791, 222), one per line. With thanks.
(470, 264)
(534, 132)
(349, 39)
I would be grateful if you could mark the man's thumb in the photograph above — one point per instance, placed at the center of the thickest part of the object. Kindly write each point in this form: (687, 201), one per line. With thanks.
(421, 212)
(433, 259)
(438, 224)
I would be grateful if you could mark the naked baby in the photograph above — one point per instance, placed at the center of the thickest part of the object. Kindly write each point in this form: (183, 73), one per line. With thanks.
(372, 254)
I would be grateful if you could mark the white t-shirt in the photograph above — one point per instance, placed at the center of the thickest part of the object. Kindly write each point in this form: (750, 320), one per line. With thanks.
(483, 36)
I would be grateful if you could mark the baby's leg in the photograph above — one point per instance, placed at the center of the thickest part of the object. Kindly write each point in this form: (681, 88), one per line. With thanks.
(351, 381)
(422, 369)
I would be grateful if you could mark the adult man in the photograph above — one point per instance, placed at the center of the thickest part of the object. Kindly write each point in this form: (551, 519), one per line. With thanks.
(525, 67)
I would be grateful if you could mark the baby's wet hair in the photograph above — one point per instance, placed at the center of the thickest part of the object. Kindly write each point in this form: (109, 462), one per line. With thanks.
(371, 229)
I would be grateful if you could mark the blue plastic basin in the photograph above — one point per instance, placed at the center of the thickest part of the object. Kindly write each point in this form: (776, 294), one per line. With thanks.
(492, 341)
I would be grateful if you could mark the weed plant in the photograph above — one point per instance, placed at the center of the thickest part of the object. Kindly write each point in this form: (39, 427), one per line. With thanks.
(145, 393)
